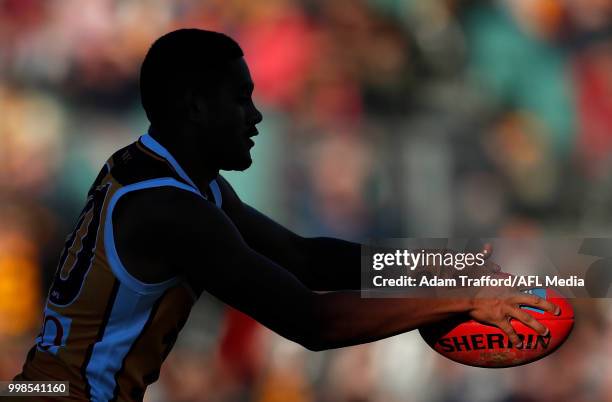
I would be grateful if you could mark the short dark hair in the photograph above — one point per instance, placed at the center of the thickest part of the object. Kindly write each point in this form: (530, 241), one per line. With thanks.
(179, 60)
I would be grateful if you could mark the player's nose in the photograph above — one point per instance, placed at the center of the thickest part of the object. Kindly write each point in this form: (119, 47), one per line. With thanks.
(256, 116)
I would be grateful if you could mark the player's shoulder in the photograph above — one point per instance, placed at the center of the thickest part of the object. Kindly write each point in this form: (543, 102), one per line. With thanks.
(162, 207)
(153, 227)
(161, 223)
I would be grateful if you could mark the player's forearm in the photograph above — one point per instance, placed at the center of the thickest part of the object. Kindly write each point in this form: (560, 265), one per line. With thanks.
(331, 264)
(346, 319)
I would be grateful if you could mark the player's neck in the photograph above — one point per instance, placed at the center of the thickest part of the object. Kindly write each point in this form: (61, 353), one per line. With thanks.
(189, 159)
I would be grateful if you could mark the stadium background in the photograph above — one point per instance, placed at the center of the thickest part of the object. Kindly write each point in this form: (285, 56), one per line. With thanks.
(381, 118)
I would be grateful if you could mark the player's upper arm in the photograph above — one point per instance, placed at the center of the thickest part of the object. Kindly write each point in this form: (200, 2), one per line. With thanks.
(190, 236)
(319, 263)
(265, 235)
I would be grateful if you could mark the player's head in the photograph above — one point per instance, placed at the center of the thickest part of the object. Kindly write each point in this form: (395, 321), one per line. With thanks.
(198, 79)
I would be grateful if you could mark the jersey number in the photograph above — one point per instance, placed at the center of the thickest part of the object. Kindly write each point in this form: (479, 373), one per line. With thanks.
(79, 251)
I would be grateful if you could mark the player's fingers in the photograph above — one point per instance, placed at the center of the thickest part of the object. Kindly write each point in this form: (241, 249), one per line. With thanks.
(535, 301)
(505, 326)
(527, 319)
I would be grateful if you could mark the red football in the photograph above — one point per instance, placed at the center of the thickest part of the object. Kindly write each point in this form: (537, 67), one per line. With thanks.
(476, 344)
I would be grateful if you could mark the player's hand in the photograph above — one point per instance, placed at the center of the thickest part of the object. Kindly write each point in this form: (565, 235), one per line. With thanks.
(497, 306)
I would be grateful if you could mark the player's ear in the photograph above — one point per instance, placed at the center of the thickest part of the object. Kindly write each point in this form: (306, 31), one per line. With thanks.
(196, 107)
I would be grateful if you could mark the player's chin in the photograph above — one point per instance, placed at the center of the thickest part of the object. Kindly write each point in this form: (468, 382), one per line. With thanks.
(239, 164)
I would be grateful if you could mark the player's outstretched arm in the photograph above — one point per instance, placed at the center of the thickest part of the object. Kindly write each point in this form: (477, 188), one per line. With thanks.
(320, 263)
(190, 235)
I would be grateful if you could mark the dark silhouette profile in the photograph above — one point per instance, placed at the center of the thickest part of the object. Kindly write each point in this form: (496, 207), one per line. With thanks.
(161, 225)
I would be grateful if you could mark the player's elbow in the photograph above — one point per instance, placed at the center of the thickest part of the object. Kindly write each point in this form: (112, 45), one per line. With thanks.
(316, 328)
(315, 346)
(315, 342)
(308, 341)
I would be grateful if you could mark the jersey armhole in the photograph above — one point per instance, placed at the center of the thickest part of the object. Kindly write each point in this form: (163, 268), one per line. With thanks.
(114, 261)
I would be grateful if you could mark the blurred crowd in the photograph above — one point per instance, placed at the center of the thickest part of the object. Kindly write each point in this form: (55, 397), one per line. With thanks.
(382, 118)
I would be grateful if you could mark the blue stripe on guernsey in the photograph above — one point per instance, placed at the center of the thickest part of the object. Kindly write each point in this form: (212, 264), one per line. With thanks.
(538, 292)
(214, 187)
(54, 333)
(159, 149)
(109, 240)
(128, 316)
